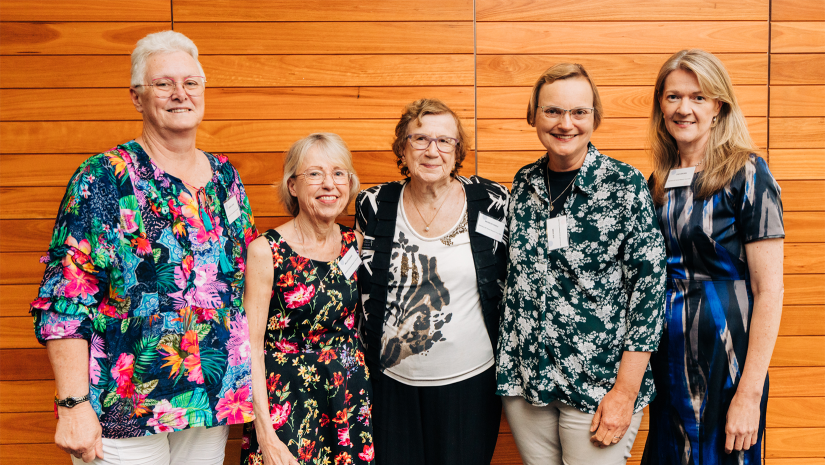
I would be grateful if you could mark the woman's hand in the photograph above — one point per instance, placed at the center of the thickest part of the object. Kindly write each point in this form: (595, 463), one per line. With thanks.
(275, 452)
(612, 418)
(78, 432)
(742, 426)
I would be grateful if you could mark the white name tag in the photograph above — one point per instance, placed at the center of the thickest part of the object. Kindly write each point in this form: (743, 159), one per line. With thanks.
(349, 263)
(232, 209)
(557, 233)
(490, 227)
(680, 177)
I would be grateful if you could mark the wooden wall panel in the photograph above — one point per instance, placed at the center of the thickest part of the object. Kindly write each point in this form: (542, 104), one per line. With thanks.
(798, 69)
(318, 38)
(621, 10)
(794, 133)
(798, 37)
(607, 70)
(797, 10)
(629, 37)
(321, 10)
(79, 10)
(74, 38)
(798, 101)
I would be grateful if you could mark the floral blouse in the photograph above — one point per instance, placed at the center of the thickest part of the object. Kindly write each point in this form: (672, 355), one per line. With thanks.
(569, 313)
(154, 283)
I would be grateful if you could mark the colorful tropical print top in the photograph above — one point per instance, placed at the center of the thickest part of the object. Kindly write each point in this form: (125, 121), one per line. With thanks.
(317, 381)
(154, 282)
(570, 313)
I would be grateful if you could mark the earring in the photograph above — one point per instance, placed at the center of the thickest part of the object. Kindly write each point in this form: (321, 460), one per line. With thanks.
(713, 120)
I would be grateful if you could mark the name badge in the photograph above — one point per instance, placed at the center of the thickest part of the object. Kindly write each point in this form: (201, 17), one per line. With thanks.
(492, 228)
(680, 177)
(232, 209)
(557, 233)
(349, 263)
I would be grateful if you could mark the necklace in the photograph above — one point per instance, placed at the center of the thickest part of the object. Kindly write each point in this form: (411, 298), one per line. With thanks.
(560, 193)
(320, 280)
(426, 223)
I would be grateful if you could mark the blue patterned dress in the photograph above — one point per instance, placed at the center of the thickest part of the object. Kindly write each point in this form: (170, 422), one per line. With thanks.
(708, 310)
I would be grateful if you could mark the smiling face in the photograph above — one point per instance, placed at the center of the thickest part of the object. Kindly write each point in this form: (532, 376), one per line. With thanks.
(178, 112)
(323, 201)
(687, 112)
(430, 165)
(566, 138)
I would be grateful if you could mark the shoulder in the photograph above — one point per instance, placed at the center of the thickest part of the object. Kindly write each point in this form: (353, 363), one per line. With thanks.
(490, 186)
(260, 247)
(619, 171)
(221, 163)
(372, 195)
(528, 171)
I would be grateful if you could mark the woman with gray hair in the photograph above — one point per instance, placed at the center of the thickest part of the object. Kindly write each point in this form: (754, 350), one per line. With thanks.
(140, 305)
(311, 388)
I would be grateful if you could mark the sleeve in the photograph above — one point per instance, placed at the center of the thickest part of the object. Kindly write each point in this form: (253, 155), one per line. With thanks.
(365, 208)
(83, 246)
(643, 272)
(760, 205)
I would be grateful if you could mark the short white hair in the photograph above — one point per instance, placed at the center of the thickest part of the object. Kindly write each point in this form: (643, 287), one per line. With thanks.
(160, 42)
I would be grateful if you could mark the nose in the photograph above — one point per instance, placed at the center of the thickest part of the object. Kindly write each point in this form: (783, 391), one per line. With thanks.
(432, 149)
(684, 106)
(328, 183)
(566, 121)
(180, 92)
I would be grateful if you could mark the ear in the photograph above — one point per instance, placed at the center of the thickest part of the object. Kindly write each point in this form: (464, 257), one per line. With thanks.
(718, 107)
(290, 184)
(135, 96)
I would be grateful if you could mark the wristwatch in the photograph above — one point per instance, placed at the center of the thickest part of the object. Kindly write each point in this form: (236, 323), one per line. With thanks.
(71, 402)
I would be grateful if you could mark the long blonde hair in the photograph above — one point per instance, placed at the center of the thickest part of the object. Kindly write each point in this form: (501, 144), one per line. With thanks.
(730, 143)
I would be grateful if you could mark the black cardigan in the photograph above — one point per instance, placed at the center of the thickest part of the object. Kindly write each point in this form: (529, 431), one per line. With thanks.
(376, 210)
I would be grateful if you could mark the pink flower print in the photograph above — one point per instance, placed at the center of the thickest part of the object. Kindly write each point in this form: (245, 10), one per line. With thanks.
(127, 220)
(300, 296)
(206, 290)
(287, 347)
(60, 330)
(78, 254)
(122, 373)
(279, 414)
(204, 314)
(42, 303)
(343, 437)
(368, 454)
(79, 283)
(124, 368)
(192, 364)
(183, 271)
(235, 407)
(222, 158)
(349, 322)
(203, 236)
(238, 343)
(168, 418)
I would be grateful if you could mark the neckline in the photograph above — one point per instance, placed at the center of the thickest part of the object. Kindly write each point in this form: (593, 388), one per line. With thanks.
(282, 240)
(437, 238)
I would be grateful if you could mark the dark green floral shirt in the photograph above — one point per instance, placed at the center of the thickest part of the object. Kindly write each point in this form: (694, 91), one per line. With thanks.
(570, 313)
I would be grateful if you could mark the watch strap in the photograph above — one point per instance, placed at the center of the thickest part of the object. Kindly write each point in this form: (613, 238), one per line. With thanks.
(71, 402)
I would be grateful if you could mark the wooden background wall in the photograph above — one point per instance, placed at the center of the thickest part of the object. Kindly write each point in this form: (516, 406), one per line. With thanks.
(279, 70)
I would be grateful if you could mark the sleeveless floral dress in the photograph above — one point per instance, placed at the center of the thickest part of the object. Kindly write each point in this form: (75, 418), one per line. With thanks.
(319, 389)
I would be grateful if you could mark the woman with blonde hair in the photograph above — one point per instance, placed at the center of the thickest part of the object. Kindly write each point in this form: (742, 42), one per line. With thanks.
(310, 386)
(720, 211)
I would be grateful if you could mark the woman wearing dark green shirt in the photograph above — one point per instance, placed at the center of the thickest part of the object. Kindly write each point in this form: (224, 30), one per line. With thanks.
(585, 287)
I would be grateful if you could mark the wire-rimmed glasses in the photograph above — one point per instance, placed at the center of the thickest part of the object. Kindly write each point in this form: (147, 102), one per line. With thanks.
(315, 176)
(554, 113)
(444, 144)
(165, 87)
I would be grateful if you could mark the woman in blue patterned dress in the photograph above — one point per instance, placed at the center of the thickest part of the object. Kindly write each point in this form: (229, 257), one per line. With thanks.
(311, 389)
(724, 236)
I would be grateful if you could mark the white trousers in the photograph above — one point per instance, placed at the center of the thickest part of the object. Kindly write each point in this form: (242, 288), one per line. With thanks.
(558, 434)
(195, 446)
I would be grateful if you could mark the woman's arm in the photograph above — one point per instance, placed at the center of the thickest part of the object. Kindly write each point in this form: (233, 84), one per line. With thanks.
(257, 291)
(765, 259)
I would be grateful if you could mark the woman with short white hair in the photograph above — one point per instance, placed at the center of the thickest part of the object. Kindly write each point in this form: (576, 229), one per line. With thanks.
(140, 304)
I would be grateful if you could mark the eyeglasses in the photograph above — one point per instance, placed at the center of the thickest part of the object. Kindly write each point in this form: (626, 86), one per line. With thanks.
(554, 113)
(165, 87)
(315, 176)
(444, 144)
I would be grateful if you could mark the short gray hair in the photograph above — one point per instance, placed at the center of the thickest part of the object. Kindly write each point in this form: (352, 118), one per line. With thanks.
(160, 42)
(329, 144)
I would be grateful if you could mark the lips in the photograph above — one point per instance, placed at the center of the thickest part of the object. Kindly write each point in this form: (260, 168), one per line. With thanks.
(179, 110)
(327, 198)
(564, 137)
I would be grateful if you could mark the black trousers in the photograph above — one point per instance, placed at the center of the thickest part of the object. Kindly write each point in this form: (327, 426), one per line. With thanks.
(456, 424)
